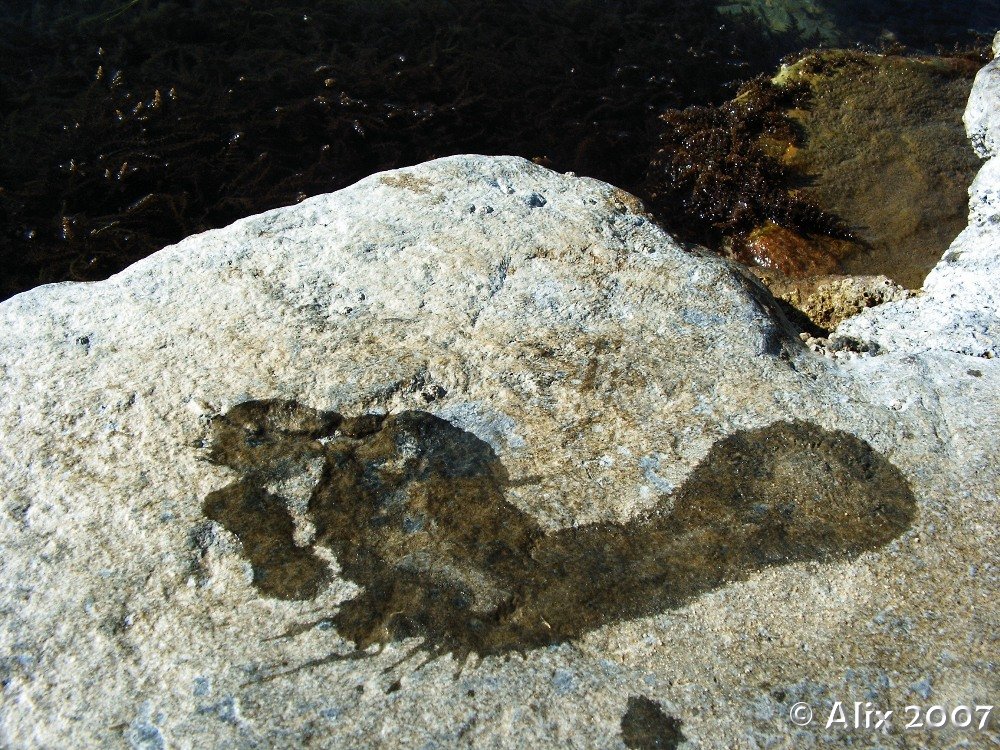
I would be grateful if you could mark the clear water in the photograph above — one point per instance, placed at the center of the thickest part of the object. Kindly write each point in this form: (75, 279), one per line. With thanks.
(125, 126)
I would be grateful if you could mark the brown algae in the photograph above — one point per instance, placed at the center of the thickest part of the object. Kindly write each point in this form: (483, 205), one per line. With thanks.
(846, 162)
(413, 508)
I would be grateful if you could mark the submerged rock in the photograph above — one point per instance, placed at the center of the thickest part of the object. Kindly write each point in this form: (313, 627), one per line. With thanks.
(883, 150)
(475, 453)
(844, 163)
(791, 255)
(958, 308)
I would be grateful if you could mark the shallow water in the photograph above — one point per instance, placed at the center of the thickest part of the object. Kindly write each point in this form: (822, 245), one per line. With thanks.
(886, 151)
(125, 126)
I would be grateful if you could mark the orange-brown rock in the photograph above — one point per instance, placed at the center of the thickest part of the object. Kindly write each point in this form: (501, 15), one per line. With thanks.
(793, 254)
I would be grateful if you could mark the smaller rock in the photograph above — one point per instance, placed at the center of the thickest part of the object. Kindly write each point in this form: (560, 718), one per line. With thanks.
(829, 300)
(792, 254)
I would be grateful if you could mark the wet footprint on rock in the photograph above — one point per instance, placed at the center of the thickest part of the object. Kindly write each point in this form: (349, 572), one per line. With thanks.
(413, 508)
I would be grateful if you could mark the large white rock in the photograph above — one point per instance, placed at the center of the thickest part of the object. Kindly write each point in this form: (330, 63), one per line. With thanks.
(982, 120)
(755, 525)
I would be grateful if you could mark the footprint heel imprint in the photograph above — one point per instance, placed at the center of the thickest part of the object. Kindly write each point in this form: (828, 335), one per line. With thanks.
(413, 509)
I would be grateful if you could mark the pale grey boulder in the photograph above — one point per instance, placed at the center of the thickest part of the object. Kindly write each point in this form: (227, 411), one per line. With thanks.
(982, 118)
(176, 569)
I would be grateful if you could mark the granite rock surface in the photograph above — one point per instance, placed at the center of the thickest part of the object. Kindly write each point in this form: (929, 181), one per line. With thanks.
(474, 454)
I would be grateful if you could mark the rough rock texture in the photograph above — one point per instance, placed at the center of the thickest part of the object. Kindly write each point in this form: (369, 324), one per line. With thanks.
(473, 454)
(827, 301)
(982, 118)
(958, 310)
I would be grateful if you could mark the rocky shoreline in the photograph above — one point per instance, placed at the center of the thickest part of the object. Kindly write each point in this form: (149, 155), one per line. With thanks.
(369, 471)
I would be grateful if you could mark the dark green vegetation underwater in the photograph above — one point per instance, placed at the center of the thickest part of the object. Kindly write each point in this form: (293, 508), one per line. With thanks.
(125, 126)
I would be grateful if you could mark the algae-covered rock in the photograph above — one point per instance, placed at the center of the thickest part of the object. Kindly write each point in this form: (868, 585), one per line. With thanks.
(827, 301)
(883, 149)
(790, 254)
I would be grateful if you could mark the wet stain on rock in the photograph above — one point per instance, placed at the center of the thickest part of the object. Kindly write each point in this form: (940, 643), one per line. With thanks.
(414, 510)
(646, 727)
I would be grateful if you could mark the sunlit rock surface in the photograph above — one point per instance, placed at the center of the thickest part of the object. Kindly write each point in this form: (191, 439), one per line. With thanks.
(472, 453)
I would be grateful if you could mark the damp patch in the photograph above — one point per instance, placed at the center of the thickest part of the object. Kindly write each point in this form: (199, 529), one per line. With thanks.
(646, 727)
(414, 510)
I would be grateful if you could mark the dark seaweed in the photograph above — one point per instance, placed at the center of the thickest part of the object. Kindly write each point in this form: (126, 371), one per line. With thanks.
(714, 179)
(147, 122)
